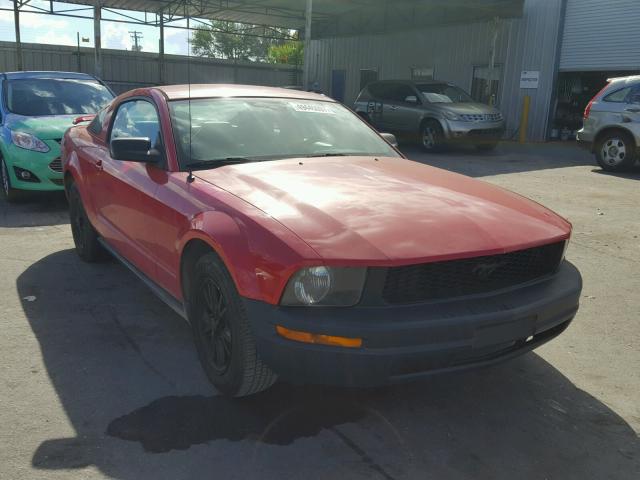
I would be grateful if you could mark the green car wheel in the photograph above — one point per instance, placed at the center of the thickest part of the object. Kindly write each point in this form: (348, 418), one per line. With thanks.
(10, 194)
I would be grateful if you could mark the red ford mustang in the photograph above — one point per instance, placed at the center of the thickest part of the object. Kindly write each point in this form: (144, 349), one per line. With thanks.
(299, 243)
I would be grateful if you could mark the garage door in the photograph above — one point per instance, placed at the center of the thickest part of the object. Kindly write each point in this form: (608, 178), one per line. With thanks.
(601, 35)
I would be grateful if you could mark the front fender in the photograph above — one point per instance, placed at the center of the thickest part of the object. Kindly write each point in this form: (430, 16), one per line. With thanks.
(71, 166)
(259, 260)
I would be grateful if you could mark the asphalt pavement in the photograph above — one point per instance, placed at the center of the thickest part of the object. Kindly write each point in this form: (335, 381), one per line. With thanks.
(99, 379)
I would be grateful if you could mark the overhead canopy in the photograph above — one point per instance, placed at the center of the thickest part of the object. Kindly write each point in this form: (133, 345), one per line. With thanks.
(330, 17)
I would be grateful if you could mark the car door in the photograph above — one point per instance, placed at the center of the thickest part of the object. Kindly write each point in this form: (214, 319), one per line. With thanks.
(124, 191)
(375, 106)
(402, 113)
(631, 112)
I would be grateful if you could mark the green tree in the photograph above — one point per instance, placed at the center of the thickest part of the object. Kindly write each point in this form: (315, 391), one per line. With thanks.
(291, 52)
(235, 41)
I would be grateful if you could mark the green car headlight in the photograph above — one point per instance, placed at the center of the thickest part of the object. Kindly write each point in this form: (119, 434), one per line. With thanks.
(28, 142)
(325, 286)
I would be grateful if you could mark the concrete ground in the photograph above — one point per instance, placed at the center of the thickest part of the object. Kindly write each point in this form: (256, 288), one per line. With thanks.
(98, 379)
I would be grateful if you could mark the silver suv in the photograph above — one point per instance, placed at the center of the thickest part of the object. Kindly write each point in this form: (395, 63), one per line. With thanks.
(439, 112)
(612, 124)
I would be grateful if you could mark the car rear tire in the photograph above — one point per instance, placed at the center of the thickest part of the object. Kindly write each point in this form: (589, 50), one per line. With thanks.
(432, 136)
(10, 194)
(615, 151)
(224, 341)
(84, 235)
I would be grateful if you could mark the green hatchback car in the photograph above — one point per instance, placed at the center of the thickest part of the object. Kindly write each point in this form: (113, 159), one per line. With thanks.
(35, 111)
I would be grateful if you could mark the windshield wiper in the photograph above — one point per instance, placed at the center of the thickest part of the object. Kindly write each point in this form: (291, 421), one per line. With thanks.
(337, 154)
(217, 162)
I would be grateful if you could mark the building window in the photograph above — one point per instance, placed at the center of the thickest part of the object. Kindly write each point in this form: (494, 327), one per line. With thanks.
(420, 74)
(485, 85)
(367, 76)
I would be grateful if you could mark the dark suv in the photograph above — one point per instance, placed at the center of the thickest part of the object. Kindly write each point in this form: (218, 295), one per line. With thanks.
(439, 112)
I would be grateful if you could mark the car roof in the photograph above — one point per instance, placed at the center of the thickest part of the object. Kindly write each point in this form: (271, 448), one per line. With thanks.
(626, 80)
(183, 92)
(48, 74)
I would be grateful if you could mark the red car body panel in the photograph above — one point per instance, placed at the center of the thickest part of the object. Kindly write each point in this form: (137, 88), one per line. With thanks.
(268, 219)
(354, 211)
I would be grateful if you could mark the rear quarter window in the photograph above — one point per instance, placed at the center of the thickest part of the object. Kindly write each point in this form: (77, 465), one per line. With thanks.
(618, 96)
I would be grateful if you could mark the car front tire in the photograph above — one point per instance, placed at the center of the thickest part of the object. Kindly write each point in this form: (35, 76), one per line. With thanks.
(84, 235)
(615, 151)
(10, 193)
(432, 136)
(224, 341)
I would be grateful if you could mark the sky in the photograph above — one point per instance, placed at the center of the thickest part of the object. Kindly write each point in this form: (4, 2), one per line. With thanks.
(56, 30)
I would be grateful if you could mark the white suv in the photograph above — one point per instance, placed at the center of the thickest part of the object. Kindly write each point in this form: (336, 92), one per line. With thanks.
(612, 124)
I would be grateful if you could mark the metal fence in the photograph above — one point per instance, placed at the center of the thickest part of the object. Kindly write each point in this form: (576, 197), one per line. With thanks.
(124, 70)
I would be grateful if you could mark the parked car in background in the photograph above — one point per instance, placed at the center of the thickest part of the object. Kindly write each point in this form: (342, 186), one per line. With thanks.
(611, 126)
(36, 110)
(300, 244)
(439, 112)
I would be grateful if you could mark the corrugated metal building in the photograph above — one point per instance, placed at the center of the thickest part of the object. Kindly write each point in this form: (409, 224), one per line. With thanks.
(568, 47)
(459, 53)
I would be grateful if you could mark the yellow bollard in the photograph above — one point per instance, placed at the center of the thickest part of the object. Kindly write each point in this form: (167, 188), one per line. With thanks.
(524, 119)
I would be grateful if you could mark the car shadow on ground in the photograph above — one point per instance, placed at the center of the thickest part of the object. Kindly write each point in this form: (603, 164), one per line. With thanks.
(126, 374)
(630, 174)
(508, 157)
(34, 209)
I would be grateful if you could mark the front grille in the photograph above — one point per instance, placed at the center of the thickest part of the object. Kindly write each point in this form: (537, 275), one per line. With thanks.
(469, 276)
(481, 117)
(56, 165)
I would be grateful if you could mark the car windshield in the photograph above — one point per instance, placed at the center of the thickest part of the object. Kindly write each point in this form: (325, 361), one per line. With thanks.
(444, 93)
(51, 96)
(216, 129)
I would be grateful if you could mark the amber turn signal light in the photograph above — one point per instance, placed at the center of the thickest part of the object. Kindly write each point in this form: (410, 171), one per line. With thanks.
(315, 338)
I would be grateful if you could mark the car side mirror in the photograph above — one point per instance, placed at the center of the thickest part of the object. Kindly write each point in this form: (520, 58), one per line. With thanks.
(390, 138)
(411, 99)
(134, 149)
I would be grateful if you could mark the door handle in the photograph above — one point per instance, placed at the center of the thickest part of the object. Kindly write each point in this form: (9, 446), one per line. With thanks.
(632, 110)
(98, 164)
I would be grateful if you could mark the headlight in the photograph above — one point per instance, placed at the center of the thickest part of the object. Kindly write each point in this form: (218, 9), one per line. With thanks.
(450, 115)
(325, 286)
(28, 142)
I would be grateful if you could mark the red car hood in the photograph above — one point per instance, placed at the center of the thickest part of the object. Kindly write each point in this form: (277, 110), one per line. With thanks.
(361, 209)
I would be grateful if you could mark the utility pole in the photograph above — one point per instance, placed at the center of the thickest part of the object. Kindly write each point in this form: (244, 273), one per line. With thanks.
(84, 40)
(136, 37)
(306, 69)
(16, 22)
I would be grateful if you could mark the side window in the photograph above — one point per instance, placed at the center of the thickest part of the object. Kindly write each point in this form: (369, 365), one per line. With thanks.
(379, 90)
(137, 118)
(618, 96)
(95, 126)
(634, 97)
(401, 92)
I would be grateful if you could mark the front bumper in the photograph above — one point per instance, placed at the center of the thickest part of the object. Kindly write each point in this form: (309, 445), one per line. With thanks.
(405, 342)
(473, 132)
(39, 164)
